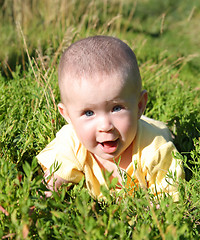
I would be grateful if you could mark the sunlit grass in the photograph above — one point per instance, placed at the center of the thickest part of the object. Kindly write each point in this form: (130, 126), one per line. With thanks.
(33, 34)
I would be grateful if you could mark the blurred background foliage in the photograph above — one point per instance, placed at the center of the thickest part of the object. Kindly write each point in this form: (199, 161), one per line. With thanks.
(171, 26)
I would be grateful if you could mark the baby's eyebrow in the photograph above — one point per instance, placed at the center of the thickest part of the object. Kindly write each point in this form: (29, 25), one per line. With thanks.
(90, 106)
(118, 101)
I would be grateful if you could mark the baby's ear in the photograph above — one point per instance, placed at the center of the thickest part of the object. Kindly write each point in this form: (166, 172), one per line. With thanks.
(63, 111)
(142, 103)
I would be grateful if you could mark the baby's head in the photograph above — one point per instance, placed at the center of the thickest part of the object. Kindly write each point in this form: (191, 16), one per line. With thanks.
(100, 87)
(92, 58)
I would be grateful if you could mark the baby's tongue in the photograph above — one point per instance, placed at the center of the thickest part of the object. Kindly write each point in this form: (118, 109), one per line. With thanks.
(109, 146)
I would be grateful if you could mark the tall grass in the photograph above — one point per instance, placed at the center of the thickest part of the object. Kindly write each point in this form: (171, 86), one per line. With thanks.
(34, 33)
(46, 24)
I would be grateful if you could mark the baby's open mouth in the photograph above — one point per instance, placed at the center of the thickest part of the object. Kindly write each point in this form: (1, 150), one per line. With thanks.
(109, 146)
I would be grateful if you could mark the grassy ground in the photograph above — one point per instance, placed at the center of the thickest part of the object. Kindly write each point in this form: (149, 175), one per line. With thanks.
(166, 39)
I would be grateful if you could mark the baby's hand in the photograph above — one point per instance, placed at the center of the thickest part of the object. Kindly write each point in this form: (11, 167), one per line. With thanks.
(53, 182)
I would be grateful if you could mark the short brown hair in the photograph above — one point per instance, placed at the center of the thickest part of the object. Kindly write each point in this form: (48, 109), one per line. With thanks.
(94, 55)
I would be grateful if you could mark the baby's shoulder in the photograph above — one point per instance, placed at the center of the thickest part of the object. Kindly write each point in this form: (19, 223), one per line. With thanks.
(66, 130)
(151, 128)
(67, 135)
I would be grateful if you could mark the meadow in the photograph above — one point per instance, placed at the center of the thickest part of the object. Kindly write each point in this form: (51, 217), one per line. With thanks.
(165, 36)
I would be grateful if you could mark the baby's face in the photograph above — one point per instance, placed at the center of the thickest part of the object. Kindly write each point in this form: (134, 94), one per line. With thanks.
(104, 115)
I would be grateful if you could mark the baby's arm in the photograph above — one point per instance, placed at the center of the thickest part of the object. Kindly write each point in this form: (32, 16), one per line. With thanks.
(53, 183)
(165, 171)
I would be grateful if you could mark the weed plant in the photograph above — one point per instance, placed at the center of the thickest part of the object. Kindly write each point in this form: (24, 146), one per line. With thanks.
(33, 34)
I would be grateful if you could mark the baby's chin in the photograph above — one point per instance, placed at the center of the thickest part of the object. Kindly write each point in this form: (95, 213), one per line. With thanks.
(114, 157)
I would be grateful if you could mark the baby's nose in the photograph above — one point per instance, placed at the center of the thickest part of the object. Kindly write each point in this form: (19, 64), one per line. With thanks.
(105, 124)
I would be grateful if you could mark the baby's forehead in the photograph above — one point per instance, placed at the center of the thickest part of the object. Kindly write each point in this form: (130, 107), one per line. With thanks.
(100, 88)
(97, 78)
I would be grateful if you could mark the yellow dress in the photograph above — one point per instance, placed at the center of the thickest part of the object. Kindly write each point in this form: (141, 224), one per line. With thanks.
(152, 160)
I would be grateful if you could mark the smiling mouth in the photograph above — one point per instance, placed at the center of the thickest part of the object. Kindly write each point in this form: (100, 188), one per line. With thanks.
(109, 146)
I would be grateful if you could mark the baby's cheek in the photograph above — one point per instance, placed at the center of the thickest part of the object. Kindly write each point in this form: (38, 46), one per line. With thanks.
(130, 129)
(87, 137)
(126, 125)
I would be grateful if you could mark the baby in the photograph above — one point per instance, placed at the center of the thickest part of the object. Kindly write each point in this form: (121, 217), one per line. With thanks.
(102, 100)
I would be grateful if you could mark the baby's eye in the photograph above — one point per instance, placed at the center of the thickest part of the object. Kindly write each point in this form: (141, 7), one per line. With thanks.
(117, 108)
(88, 113)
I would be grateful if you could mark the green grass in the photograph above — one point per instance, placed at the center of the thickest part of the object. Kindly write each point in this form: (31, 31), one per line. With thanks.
(165, 38)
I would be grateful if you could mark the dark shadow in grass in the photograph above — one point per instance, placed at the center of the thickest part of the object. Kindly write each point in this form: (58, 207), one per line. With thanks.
(187, 129)
(15, 59)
